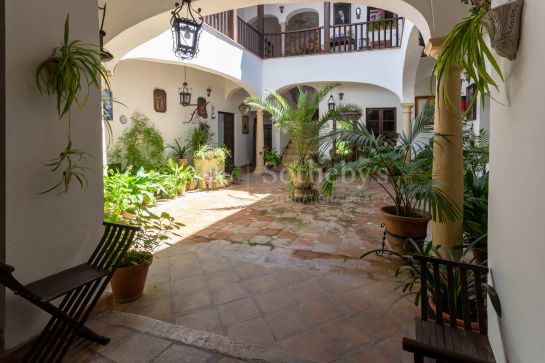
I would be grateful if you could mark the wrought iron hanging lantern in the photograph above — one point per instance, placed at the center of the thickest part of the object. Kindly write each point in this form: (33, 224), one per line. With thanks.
(185, 92)
(331, 103)
(186, 31)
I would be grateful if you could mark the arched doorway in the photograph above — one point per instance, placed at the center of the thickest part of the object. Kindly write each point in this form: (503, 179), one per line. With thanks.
(299, 43)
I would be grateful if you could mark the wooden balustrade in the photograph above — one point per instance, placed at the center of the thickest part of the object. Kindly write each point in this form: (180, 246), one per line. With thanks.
(343, 38)
(222, 22)
(249, 37)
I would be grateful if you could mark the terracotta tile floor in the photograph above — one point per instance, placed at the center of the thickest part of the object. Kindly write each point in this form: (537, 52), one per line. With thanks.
(257, 267)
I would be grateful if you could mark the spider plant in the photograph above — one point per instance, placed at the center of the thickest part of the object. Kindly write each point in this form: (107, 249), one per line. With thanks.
(464, 47)
(178, 151)
(403, 169)
(68, 74)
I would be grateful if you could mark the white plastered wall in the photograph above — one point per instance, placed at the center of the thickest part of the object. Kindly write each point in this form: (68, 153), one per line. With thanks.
(133, 84)
(46, 233)
(517, 177)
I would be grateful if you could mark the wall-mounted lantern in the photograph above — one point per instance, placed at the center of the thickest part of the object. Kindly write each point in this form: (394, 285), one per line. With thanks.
(209, 91)
(281, 7)
(185, 92)
(331, 103)
(358, 13)
(186, 30)
(341, 95)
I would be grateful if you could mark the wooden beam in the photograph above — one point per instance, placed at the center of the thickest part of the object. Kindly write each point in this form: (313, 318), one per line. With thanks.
(261, 28)
(327, 25)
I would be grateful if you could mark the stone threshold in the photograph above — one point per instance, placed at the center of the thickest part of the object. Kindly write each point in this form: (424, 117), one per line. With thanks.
(197, 339)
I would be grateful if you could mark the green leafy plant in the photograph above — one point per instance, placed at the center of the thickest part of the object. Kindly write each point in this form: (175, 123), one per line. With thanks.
(68, 74)
(465, 48)
(270, 157)
(301, 122)
(140, 146)
(199, 136)
(410, 272)
(208, 152)
(178, 151)
(236, 173)
(402, 169)
(156, 230)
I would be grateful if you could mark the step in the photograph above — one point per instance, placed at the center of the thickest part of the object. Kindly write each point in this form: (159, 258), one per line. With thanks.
(136, 337)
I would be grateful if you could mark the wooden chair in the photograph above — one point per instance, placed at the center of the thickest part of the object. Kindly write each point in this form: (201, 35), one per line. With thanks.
(79, 288)
(448, 343)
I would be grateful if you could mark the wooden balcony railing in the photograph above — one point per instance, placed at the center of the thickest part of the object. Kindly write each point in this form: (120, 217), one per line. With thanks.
(249, 37)
(343, 38)
(222, 22)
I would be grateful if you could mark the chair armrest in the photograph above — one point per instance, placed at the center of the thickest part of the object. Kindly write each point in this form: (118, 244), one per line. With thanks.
(435, 352)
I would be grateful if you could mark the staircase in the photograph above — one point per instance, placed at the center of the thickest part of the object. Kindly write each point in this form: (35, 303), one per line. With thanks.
(290, 155)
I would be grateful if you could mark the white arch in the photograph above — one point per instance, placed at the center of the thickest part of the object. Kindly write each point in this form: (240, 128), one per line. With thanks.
(413, 54)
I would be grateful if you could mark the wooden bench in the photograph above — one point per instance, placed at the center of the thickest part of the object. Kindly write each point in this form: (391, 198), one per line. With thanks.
(79, 289)
(446, 342)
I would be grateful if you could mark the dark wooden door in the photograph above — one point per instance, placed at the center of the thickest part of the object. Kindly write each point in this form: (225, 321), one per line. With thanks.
(229, 131)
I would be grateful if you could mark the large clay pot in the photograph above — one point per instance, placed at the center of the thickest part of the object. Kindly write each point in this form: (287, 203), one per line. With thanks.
(205, 167)
(400, 228)
(128, 283)
(446, 317)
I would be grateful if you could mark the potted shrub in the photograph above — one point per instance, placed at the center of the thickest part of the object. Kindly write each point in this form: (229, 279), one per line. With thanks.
(303, 125)
(404, 167)
(179, 153)
(409, 272)
(209, 159)
(129, 279)
(271, 158)
(235, 174)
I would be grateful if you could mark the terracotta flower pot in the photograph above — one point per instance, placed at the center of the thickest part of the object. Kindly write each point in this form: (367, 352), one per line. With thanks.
(181, 190)
(182, 162)
(400, 228)
(128, 283)
(446, 317)
(191, 185)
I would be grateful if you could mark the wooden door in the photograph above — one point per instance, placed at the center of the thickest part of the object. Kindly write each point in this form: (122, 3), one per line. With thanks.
(229, 131)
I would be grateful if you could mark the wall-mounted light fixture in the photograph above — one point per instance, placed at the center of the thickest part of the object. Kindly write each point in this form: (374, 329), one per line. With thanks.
(358, 13)
(209, 91)
(105, 56)
(331, 103)
(341, 95)
(281, 7)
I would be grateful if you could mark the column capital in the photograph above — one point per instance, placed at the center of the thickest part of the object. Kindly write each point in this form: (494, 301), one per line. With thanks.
(433, 48)
(407, 107)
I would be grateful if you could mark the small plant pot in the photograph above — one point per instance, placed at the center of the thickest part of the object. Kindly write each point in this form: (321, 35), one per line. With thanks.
(127, 215)
(182, 162)
(446, 317)
(181, 190)
(128, 283)
(191, 185)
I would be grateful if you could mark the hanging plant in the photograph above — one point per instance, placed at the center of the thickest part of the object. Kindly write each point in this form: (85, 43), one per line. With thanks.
(68, 74)
(464, 47)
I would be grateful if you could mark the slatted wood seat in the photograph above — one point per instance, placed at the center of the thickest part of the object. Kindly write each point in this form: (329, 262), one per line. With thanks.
(79, 289)
(442, 342)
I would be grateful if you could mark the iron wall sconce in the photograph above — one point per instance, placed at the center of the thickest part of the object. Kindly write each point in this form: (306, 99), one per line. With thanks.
(281, 7)
(358, 13)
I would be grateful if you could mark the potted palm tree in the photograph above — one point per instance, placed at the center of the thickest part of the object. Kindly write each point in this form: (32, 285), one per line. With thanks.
(303, 125)
(402, 167)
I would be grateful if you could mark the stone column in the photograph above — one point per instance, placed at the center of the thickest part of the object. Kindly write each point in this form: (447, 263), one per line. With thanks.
(448, 165)
(407, 122)
(327, 26)
(259, 143)
(283, 28)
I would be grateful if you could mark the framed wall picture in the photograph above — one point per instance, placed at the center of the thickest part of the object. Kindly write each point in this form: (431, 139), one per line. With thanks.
(160, 100)
(245, 124)
(107, 105)
(376, 14)
(342, 13)
(420, 103)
